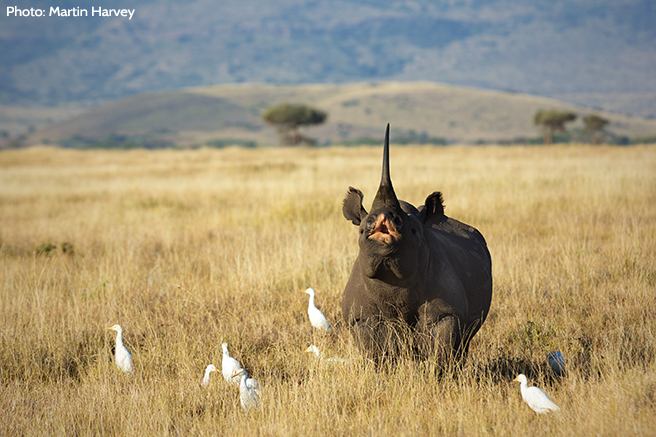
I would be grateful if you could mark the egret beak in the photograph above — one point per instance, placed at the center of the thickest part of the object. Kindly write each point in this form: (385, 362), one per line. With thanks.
(237, 374)
(516, 380)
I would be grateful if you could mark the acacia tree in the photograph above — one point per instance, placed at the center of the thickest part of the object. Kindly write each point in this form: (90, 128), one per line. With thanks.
(552, 121)
(594, 123)
(289, 118)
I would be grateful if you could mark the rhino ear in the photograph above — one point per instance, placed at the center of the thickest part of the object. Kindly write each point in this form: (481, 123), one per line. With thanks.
(352, 207)
(433, 210)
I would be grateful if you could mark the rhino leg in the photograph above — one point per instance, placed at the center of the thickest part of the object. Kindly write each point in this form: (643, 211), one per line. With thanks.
(440, 340)
(382, 339)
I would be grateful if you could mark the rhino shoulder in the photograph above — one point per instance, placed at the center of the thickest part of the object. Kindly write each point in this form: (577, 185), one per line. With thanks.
(459, 229)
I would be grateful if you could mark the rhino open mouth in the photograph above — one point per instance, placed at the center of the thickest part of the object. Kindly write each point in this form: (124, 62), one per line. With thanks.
(384, 230)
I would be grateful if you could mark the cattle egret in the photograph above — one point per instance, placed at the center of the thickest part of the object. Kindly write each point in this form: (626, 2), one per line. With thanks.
(122, 355)
(317, 319)
(208, 370)
(249, 391)
(556, 362)
(315, 350)
(229, 366)
(536, 398)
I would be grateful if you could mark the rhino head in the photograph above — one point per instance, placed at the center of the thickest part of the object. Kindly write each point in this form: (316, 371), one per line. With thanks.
(391, 234)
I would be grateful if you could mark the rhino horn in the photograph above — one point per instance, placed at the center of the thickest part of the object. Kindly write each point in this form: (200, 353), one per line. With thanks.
(385, 197)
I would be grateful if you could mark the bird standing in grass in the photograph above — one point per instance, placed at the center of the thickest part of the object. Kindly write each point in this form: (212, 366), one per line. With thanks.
(317, 319)
(208, 370)
(229, 366)
(536, 398)
(315, 350)
(556, 362)
(249, 391)
(122, 355)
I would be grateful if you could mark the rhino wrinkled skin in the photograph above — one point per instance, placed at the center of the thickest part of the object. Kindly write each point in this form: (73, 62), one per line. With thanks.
(422, 282)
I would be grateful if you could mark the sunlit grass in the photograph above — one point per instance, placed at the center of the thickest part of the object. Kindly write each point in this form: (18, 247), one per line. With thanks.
(187, 249)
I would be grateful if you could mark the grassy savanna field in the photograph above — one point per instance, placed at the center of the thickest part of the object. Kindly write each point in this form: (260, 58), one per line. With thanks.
(188, 249)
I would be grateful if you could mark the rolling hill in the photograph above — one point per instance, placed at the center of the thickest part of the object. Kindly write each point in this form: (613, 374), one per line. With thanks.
(224, 113)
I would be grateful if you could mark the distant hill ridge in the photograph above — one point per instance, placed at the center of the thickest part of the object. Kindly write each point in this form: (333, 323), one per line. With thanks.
(196, 116)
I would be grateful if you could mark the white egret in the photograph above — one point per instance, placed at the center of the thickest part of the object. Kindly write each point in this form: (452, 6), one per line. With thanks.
(208, 370)
(122, 355)
(556, 362)
(229, 366)
(249, 391)
(317, 319)
(536, 398)
(315, 350)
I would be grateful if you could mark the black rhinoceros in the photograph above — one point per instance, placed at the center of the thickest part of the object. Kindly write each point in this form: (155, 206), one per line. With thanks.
(422, 282)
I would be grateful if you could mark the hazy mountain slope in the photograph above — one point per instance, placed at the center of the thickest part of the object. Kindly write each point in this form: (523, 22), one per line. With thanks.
(541, 47)
(196, 115)
(158, 113)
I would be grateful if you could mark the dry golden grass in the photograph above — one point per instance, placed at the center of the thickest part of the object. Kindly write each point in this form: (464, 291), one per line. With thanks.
(187, 249)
